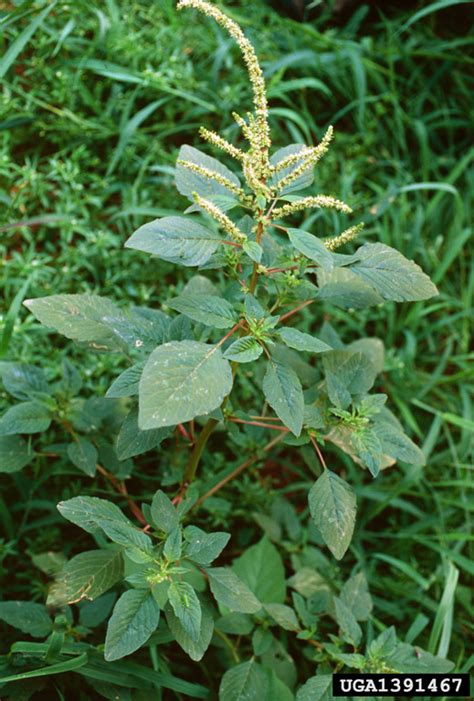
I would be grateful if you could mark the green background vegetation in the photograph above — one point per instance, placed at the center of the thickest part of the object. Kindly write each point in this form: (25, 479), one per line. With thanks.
(93, 110)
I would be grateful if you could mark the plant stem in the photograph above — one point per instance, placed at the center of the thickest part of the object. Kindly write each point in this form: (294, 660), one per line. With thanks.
(195, 456)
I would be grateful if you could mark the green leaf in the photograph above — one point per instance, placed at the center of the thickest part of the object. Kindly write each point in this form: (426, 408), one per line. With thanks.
(164, 515)
(397, 444)
(182, 380)
(244, 350)
(302, 341)
(27, 417)
(14, 454)
(244, 682)
(86, 512)
(134, 618)
(27, 616)
(59, 668)
(126, 384)
(355, 595)
(230, 591)
(302, 181)
(173, 545)
(207, 309)
(312, 248)
(86, 576)
(23, 381)
(262, 570)
(83, 455)
(131, 441)
(337, 392)
(283, 391)
(253, 250)
(204, 547)
(22, 39)
(186, 607)
(127, 535)
(345, 289)
(332, 503)
(354, 370)
(346, 621)
(391, 274)
(318, 688)
(283, 615)
(178, 240)
(188, 181)
(195, 649)
(253, 309)
(86, 318)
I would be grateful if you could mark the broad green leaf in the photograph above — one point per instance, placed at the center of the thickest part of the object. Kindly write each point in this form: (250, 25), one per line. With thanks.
(312, 248)
(195, 649)
(302, 341)
(391, 274)
(230, 591)
(262, 640)
(178, 240)
(244, 350)
(318, 688)
(337, 391)
(87, 318)
(235, 624)
(345, 289)
(182, 380)
(373, 348)
(126, 384)
(27, 616)
(131, 441)
(262, 570)
(351, 630)
(173, 545)
(283, 615)
(86, 576)
(22, 380)
(355, 595)
(85, 512)
(83, 454)
(283, 391)
(93, 613)
(204, 547)
(207, 309)
(354, 370)
(14, 454)
(253, 309)
(187, 608)
(397, 444)
(164, 515)
(244, 682)
(369, 449)
(27, 417)
(332, 503)
(253, 250)
(407, 659)
(127, 535)
(135, 617)
(302, 181)
(188, 181)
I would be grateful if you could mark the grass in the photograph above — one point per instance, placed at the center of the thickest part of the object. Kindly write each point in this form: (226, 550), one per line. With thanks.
(96, 102)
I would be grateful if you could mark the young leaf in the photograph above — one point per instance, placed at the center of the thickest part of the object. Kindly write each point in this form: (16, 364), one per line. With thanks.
(244, 350)
(283, 391)
(391, 274)
(186, 607)
(27, 417)
(83, 455)
(332, 503)
(127, 535)
(207, 309)
(188, 181)
(135, 617)
(195, 649)
(182, 380)
(86, 576)
(86, 512)
(253, 309)
(178, 240)
(27, 616)
(262, 570)
(203, 547)
(346, 621)
(131, 441)
(164, 515)
(244, 682)
(173, 545)
(231, 592)
(312, 248)
(253, 250)
(14, 454)
(302, 341)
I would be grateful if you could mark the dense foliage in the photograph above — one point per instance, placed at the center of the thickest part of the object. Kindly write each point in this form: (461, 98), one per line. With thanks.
(223, 426)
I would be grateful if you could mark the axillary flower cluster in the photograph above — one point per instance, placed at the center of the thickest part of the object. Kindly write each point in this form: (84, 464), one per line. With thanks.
(266, 180)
